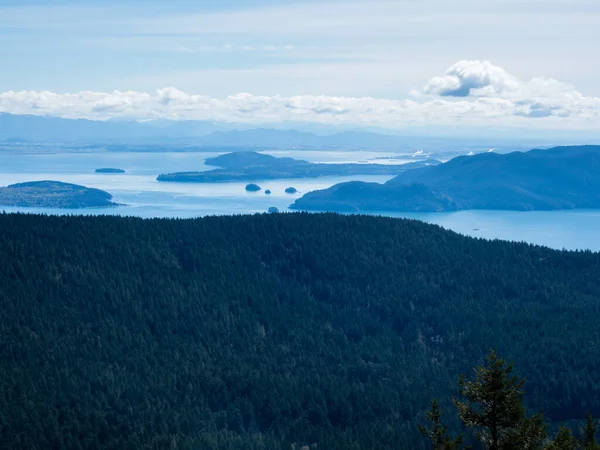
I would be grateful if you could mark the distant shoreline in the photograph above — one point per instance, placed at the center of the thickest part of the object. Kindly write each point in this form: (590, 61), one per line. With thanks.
(252, 166)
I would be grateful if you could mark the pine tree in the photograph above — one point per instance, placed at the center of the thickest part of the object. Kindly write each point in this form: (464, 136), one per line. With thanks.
(588, 438)
(493, 405)
(438, 433)
(564, 440)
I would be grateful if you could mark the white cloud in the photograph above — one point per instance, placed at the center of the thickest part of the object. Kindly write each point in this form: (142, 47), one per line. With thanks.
(484, 79)
(473, 93)
(536, 98)
(473, 78)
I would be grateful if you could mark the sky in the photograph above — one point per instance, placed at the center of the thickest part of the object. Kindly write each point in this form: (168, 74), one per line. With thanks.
(394, 64)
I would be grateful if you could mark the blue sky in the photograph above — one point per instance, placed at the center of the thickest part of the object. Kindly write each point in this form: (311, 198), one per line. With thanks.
(381, 49)
(105, 45)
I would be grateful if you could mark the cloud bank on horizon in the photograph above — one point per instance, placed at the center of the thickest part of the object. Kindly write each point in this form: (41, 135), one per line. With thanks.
(473, 93)
(363, 62)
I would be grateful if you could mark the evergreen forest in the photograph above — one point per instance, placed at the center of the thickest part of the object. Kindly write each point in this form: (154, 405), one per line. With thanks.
(284, 331)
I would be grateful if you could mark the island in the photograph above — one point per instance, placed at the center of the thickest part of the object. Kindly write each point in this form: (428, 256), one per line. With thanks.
(551, 179)
(268, 192)
(291, 190)
(250, 166)
(109, 170)
(253, 187)
(54, 194)
(273, 210)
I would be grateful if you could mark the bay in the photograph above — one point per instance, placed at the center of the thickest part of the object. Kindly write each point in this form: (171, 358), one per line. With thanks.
(145, 197)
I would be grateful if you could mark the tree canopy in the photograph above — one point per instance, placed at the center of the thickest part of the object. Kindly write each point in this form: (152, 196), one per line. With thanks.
(270, 330)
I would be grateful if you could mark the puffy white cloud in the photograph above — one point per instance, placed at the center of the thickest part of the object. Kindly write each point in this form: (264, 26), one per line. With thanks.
(483, 79)
(474, 93)
(482, 82)
(472, 78)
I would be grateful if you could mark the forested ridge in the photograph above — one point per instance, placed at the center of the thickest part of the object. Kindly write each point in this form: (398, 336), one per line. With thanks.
(556, 178)
(264, 331)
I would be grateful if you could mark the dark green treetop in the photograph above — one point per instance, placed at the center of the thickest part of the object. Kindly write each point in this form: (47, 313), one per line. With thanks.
(564, 440)
(437, 432)
(588, 438)
(493, 406)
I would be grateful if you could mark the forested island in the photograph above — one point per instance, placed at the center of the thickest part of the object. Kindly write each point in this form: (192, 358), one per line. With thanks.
(248, 166)
(558, 178)
(109, 170)
(278, 330)
(54, 194)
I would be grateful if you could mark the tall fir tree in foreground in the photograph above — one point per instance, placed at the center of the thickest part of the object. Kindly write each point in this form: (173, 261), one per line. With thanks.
(493, 406)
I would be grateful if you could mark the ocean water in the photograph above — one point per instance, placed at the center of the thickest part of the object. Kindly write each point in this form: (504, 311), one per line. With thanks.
(143, 196)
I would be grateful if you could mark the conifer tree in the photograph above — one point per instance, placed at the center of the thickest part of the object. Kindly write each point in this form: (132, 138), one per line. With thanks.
(437, 432)
(588, 438)
(564, 440)
(493, 406)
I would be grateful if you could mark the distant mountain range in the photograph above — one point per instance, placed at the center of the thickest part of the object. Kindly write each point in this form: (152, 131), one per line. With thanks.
(40, 128)
(161, 135)
(194, 134)
(558, 178)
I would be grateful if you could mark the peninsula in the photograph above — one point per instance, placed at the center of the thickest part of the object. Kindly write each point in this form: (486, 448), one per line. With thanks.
(557, 178)
(250, 166)
(54, 194)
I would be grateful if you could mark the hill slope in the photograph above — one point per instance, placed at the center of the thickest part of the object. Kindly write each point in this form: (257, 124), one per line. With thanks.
(262, 331)
(558, 178)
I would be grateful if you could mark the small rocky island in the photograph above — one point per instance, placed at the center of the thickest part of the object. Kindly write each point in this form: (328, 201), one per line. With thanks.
(253, 187)
(109, 170)
(291, 190)
(268, 191)
(54, 194)
(273, 210)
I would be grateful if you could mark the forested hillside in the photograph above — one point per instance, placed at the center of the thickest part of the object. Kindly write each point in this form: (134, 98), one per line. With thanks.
(260, 332)
(557, 178)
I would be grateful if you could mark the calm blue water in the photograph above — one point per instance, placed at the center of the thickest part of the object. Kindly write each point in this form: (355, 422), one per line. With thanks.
(145, 197)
